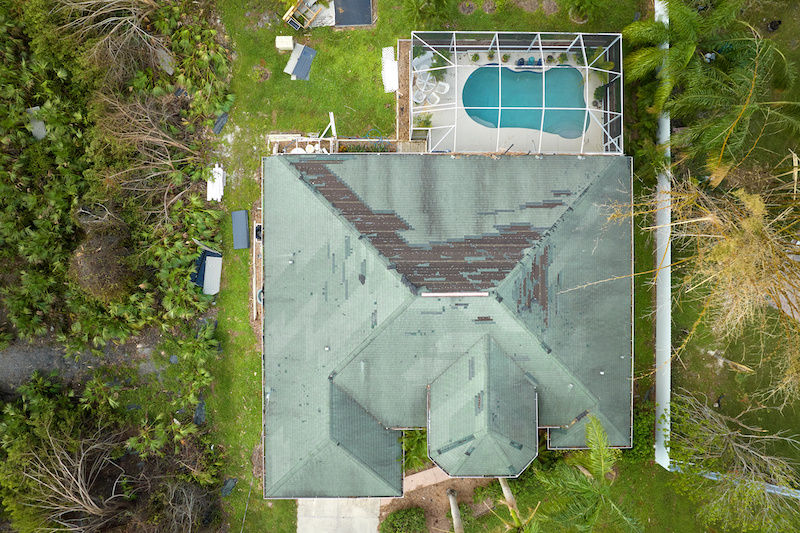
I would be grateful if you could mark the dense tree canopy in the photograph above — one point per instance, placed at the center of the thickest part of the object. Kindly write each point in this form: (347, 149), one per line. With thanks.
(124, 142)
(95, 461)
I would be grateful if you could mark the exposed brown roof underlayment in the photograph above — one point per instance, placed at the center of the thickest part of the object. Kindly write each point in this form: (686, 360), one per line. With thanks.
(467, 264)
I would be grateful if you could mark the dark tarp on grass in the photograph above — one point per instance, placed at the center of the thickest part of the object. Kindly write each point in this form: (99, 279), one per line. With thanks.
(241, 230)
(299, 64)
(353, 12)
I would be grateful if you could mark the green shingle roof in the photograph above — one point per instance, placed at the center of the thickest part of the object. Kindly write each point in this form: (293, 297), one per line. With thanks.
(358, 253)
(482, 414)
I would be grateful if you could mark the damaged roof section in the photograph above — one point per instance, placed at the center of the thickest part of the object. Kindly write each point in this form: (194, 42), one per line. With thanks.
(461, 263)
(373, 268)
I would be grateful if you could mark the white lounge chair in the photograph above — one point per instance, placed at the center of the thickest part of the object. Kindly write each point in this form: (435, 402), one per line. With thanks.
(442, 87)
(433, 99)
(419, 96)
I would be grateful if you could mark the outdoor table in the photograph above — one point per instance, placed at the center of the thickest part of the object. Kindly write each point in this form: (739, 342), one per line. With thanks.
(425, 82)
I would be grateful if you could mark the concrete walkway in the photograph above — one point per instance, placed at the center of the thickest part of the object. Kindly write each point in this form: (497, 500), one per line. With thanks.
(338, 515)
(355, 515)
(431, 476)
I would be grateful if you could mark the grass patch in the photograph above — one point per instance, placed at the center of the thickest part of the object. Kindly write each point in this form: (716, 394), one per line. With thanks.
(643, 297)
(646, 488)
(703, 374)
(773, 148)
(235, 406)
(345, 76)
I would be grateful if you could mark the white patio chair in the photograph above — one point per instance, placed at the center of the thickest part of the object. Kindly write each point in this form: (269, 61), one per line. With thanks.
(419, 96)
(442, 87)
(433, 99)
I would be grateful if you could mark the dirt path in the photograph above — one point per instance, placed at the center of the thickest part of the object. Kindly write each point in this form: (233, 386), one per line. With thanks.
(21, 359)
(433, 500)
(404, 91)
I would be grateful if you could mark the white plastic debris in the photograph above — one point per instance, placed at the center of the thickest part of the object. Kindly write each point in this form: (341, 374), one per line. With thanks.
(391, 77)
(284, 43)
(216, 184)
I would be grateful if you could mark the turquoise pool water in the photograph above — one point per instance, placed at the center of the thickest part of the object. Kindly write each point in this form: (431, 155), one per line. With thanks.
(523, 88)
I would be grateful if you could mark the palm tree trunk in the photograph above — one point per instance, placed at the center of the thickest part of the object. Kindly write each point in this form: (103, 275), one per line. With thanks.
(458, 527)
(510, 500)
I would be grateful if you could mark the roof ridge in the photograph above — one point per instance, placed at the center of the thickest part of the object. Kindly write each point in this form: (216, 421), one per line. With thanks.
(384, 229)
(346, 393)
(323, 444)
(548, 232)
(337, 212)
(549, 352)
(372, 336)
(478, 437)
(458, 358)
(498, 448)
(371, 471)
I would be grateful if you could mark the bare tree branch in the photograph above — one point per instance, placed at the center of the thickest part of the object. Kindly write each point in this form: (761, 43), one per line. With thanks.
(122, 43)
(65, 476)
(739, 459)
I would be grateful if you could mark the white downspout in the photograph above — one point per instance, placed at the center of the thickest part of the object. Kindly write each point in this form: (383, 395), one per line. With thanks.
(663, 283)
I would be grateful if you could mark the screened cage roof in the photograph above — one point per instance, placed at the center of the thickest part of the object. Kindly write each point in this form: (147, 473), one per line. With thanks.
(554, 93)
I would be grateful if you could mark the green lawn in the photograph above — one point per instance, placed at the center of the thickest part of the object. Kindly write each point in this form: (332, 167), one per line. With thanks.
(234, 407)
(700, 372)
(773, 148)
(345, 76)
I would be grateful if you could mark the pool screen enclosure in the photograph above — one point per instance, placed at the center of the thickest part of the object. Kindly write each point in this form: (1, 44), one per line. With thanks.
(541, 93)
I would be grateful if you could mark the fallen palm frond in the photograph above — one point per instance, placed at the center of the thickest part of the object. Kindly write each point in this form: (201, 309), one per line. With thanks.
(64, 476)
(169, 154)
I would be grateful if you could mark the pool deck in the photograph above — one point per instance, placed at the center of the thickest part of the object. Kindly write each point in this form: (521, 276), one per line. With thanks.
(452, 127)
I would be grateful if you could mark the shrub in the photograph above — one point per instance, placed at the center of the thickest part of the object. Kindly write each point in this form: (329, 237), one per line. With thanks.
(644, 420)
(411, 520)
(423, 120)
(493, 492)
(98, 266)
(600, 93)
(415, 449)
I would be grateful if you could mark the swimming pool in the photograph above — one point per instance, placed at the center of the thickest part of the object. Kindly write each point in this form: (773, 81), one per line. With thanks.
(523, 88)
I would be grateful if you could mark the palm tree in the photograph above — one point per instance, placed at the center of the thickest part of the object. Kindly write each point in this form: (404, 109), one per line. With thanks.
(688, 30)
(581, 486)
(415, 448)
(422, 14)
(727, 104)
